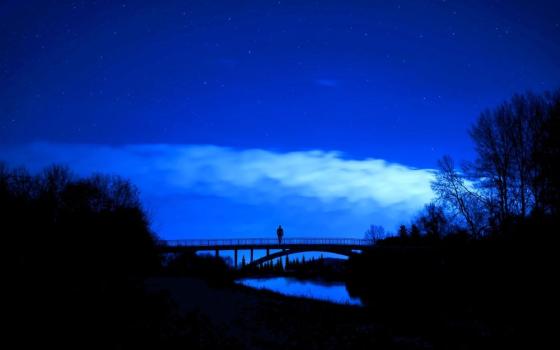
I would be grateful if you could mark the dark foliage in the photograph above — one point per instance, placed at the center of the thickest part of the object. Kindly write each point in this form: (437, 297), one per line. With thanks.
(213, 270)
(76, 253)
(458, 291)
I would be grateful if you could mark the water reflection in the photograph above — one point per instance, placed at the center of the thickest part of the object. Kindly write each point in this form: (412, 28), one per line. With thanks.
(333, 292)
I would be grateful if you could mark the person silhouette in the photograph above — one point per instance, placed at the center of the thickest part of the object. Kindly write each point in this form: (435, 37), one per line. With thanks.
(280, 233)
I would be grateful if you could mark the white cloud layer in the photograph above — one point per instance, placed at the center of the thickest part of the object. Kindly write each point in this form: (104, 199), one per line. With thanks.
(251, 175)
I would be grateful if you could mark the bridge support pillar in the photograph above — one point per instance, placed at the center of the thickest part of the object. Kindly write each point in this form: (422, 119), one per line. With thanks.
(217, 253)
(267, 252)
(235, 255)
(251, 255)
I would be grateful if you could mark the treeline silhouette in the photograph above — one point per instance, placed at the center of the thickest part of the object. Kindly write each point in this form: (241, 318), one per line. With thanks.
(476, 266)
(331, 269)
(214, 270)
(77, 252)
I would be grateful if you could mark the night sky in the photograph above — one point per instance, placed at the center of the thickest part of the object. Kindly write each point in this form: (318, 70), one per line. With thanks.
(234, 116)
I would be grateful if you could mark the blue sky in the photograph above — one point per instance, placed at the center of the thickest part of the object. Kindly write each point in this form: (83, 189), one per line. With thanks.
(235, 116)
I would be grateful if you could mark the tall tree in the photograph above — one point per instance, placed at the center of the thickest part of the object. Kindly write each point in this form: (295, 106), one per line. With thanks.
(414, 232)
(517, 149)
(494, 165)
(432, 221)
(460, 198)
(546, 182)
(403, 233)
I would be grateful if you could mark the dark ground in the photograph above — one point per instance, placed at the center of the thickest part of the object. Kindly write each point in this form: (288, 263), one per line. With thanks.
(257, 319)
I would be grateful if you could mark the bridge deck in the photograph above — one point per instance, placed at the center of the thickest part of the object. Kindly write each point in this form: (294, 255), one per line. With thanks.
(264, 243)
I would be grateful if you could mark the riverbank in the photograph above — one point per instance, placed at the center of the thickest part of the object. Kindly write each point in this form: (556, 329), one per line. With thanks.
(246, 318)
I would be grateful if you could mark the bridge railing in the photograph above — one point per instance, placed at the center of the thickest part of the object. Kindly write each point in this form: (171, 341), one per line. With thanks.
(266, 241)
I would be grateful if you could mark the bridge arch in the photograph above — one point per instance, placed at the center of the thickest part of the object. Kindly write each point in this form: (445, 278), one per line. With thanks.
(284, 252)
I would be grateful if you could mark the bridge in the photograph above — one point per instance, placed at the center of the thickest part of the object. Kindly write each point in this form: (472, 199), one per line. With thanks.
(342, 246)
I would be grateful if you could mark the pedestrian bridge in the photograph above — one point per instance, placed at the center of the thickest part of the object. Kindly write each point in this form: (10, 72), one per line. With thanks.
(343, 246)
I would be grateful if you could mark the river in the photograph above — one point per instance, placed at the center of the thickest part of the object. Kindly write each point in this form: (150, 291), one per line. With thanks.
(330, 291)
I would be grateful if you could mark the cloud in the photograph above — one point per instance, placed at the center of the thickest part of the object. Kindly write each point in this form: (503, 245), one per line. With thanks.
(308, 179)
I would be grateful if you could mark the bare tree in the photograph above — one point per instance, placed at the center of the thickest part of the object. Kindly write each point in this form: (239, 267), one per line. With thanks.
(515, 144)
(113, 192)
(458, 197)
(528, 116)
(374, 233)
(494, 166)
(55, 178)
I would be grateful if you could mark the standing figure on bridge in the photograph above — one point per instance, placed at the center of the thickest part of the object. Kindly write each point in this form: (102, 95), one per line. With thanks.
(280, 233)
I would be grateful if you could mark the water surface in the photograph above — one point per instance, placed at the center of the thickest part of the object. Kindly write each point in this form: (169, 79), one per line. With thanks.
(334, 292)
